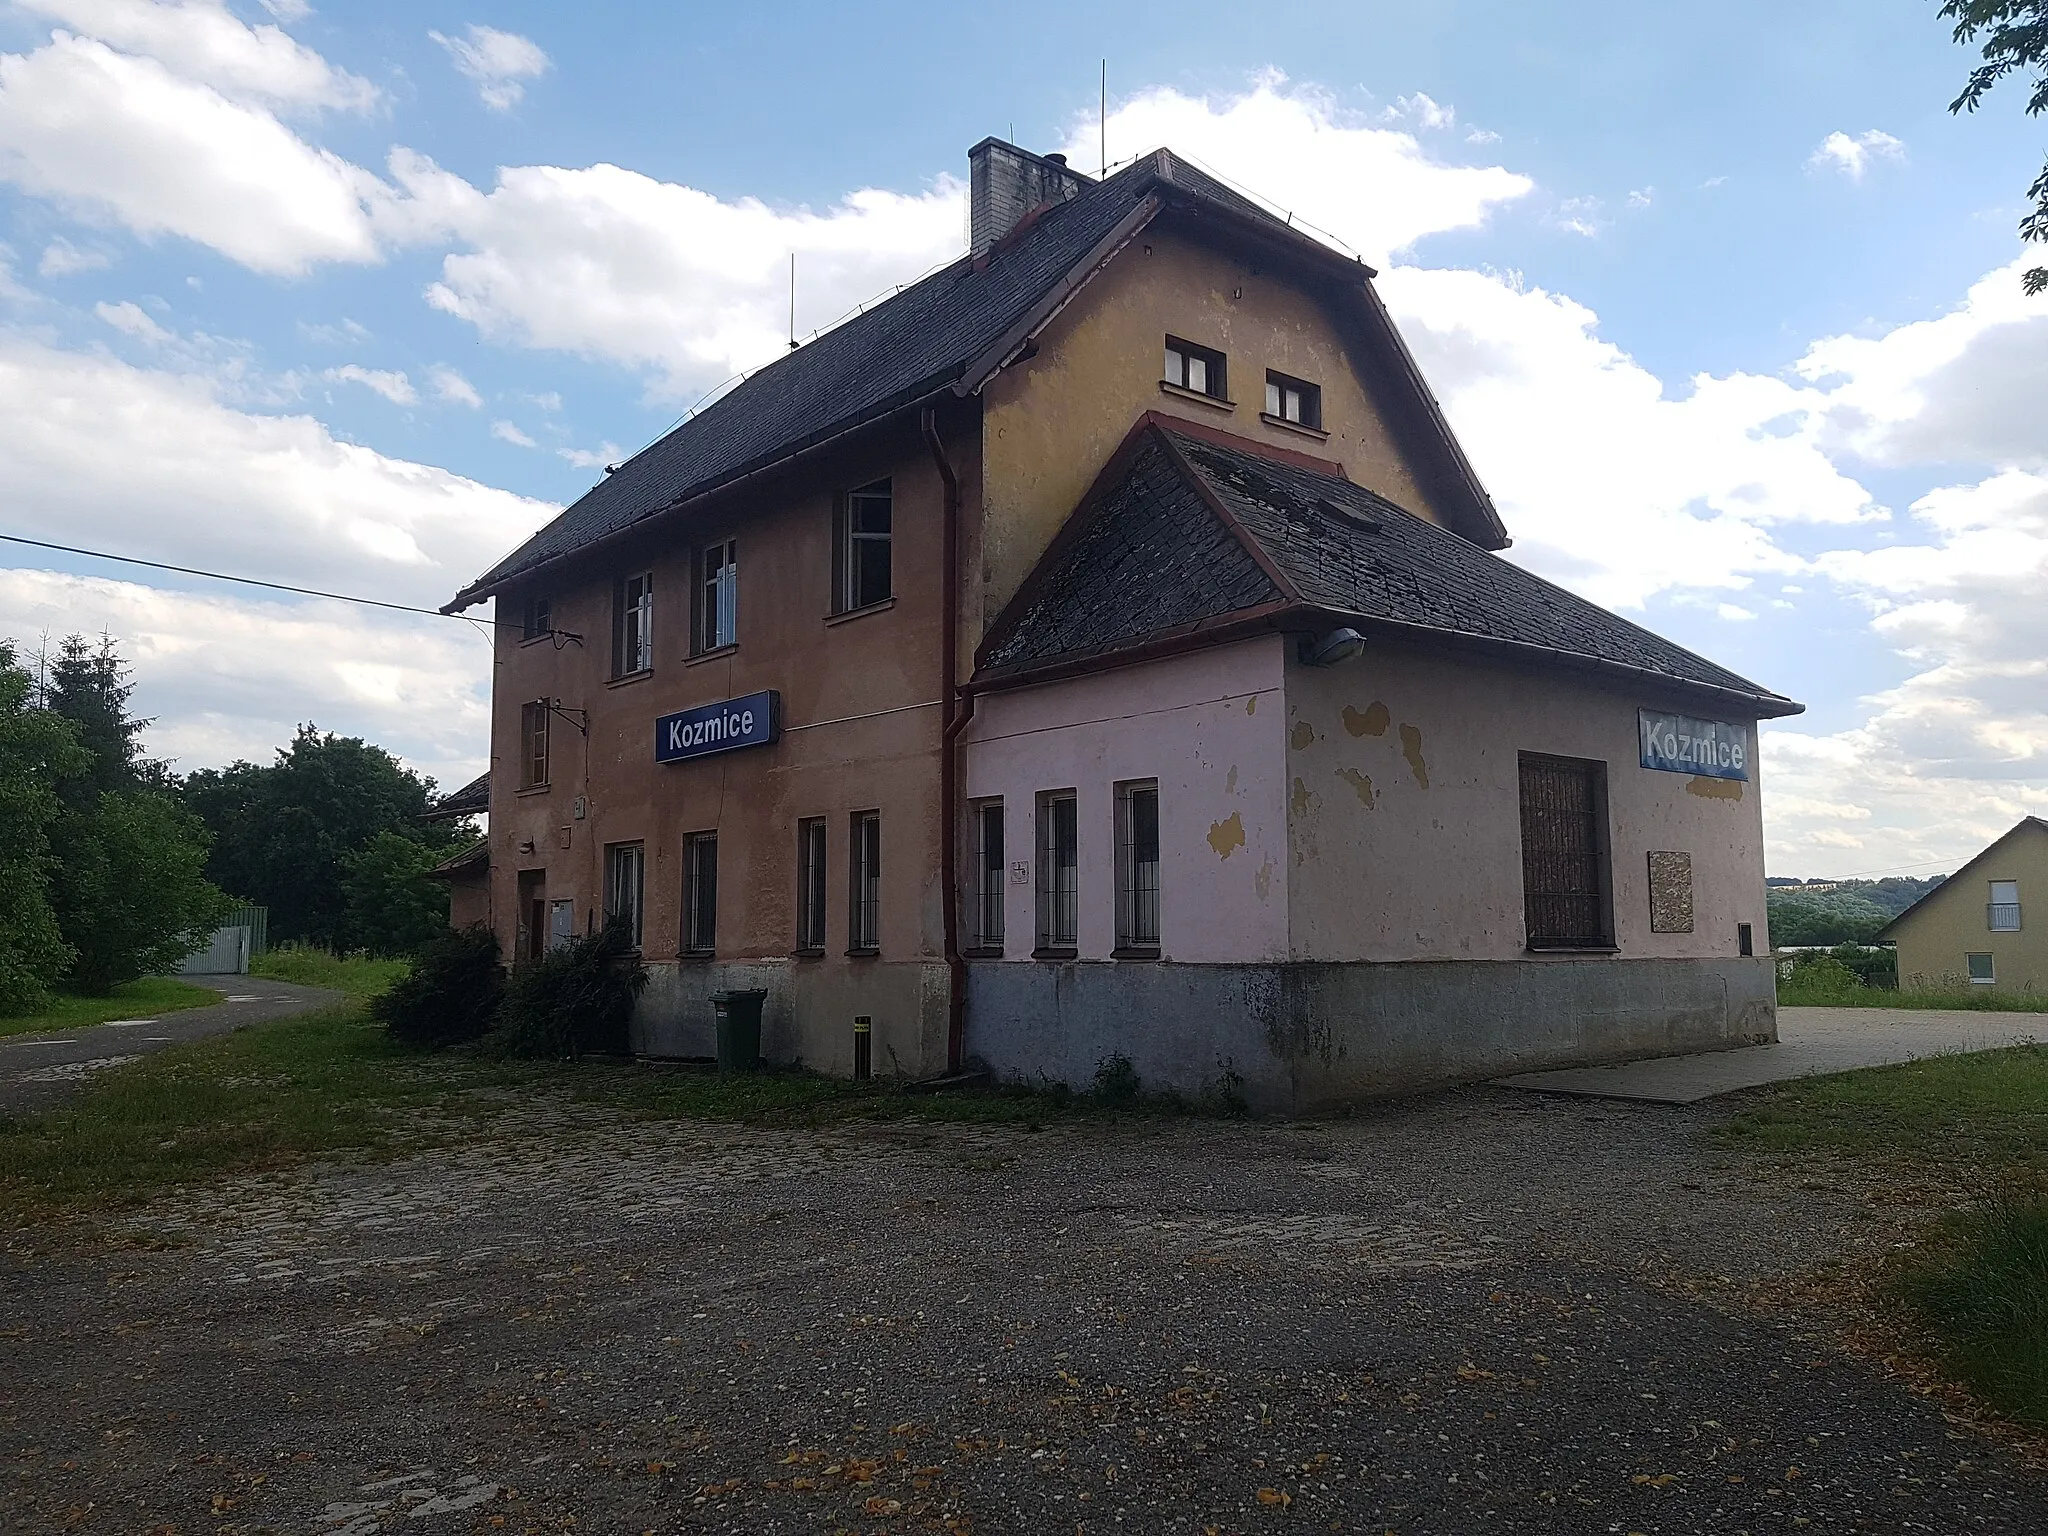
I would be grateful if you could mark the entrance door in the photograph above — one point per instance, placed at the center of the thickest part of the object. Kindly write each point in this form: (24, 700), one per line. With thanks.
(533, 915)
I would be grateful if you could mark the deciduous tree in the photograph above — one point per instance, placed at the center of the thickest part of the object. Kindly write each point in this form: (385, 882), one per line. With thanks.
(2015, 39)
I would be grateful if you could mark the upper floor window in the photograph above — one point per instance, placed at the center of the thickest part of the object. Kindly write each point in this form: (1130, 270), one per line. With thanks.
(538, 620)
(1137, 866)
(1198, 368)
(2003, 913)
(1294, 401)
(533, 744)
(861, 558)
(718, 593)
(633, 627)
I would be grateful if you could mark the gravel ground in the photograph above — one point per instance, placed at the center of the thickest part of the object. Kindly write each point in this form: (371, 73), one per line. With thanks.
(1475, 1312)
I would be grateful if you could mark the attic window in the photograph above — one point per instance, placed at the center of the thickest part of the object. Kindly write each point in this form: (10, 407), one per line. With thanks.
(1293, 401)
(1331, 507)
(1196, 368)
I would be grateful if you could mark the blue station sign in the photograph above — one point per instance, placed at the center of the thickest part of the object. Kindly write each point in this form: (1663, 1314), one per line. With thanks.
(1681, 744)
(754, 720)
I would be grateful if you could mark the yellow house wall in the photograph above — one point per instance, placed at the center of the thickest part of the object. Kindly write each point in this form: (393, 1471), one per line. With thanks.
(1050, 424)
(1953, 923)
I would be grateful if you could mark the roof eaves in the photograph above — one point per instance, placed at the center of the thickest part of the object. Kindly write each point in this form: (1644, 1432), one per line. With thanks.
(1269, 617)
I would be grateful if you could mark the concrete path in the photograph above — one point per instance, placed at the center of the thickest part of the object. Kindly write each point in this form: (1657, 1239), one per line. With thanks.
(1812, 1042)
(38, 1071)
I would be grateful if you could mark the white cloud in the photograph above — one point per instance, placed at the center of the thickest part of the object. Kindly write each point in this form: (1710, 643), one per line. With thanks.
(393, 386)
(131, 319)
(123, 137)
(453, 387)
(1642, 197)
(62, 259)
(496, 61)
(1854, 156)
(506, 432)
(587, 458)
(288, 10)
(548, 400)
(1581, 216)
(1422, 110)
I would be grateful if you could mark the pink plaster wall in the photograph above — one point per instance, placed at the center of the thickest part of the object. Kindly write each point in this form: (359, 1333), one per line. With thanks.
(1210, 727)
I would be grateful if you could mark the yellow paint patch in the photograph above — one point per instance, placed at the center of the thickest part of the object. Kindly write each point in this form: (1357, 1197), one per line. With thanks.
(1372, 723)
(1360, 785)
(1411, 748)
(1227, 836)
(1251, 705)
(1713, 789)
(1304, 735)
(1303, 799)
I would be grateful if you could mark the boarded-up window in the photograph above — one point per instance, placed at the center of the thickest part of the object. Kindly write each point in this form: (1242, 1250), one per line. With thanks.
(1670, 892)
(1565, 887)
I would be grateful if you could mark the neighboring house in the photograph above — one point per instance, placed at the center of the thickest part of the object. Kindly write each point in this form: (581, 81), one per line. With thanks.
(468, 872)
(1039, 732)
(1986, 925)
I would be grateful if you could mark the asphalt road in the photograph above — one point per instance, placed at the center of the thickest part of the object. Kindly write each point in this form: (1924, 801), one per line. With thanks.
(1476, 1312)
(39, 1071)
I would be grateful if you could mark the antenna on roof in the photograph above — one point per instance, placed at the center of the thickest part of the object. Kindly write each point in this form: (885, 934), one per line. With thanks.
(792, 301)
(1102, 118)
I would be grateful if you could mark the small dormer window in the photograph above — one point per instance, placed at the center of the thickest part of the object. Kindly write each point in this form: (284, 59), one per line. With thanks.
(1196, 368)
(1294, 401)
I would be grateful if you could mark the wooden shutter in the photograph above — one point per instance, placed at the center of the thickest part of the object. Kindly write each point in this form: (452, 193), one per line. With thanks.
(1564, 853)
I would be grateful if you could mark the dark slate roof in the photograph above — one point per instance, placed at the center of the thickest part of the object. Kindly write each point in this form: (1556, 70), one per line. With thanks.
(904, 350)
(1152, 553)
(473, 799)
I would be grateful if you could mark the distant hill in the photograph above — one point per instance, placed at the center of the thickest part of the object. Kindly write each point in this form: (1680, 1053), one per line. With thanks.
(1839, 911)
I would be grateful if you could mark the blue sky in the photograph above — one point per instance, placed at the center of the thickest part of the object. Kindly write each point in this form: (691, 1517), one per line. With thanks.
(343, 296)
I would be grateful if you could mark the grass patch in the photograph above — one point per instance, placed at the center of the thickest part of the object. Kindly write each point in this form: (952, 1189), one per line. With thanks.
(334, 1085)
(1981, 1109)
(1975, 999)
(357, 975)
(1982, 1290)
(144, 999)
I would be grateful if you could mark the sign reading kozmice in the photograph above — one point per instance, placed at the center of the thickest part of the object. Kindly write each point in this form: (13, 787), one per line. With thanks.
(1681, 744)
(752, 721)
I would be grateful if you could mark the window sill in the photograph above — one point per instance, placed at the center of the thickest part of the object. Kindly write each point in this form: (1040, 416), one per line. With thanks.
(1574, 949)
(717, 654)
(874, 953)
(1182, 392)
(627, 678)
(531, 789)
(696, 957)
(1056, 954)
(1136, 952)
(1294, 426)
(526, 640)
(807, 954)
(982, 952)
(848, 615)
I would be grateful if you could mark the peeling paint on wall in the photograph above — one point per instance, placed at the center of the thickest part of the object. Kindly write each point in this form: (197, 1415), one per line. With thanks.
(1361, 785)
(1713, 789)
(1304, 736)
(1251, 705)
(1227, 836)
(1372, 723)
(1262, 882)
(1303, 799)
(1411, 748)
(1230, 781)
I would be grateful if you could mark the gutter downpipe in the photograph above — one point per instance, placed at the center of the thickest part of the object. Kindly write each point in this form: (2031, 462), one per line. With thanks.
(953, 721)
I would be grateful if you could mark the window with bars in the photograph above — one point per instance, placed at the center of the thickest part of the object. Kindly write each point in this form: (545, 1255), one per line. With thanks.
(861, 552)
(985, 889)
(625, 867)
(810, 884)
(1294, 401)
(633, 626)
(1566, 889)
(718, 594)
(533, 744)
(1197, 368)
(700, 893)
(1059, 886)
(538, 620)
(864, 916)
(1137, 866)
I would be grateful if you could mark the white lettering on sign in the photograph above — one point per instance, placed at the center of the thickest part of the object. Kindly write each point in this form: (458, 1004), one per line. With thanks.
(1677, 744)
(743, 722)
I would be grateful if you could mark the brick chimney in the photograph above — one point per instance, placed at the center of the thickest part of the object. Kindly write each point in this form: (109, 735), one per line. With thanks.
(1008, 183)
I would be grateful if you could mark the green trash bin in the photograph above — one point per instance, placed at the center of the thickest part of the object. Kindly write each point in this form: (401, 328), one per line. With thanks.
(739, 1030)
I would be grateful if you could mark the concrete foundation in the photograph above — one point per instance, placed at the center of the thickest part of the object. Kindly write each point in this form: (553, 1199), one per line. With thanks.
(808, 1017)
(1301, 1037)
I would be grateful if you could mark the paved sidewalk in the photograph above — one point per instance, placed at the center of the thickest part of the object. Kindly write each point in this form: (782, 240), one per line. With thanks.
(39, 1071)
(1812, 1042)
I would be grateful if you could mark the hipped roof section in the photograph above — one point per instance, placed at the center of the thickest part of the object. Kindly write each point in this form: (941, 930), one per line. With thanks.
(1191, 535)
(952, 331)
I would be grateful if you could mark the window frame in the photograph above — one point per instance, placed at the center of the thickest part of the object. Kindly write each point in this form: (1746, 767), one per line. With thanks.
(864, 883)
(1180, 354)
(1990, 976)
(849, 595)
(534, 744)
(1310, 397)
(617, 856)
(987, 888)
(2002, 916)
(715, 626)
(700, 894)
(537, 618)
(633, 613)
(1597, 853)
(1054, 940)
(1135, 937)
(812, 910)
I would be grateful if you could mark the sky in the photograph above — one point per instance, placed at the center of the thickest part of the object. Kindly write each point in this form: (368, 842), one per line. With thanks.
(1722, 301)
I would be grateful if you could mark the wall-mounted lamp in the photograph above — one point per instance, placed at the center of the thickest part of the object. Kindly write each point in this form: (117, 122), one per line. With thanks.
(1338, 645)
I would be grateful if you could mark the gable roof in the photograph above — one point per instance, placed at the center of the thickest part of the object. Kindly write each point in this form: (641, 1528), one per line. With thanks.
(948, 334)
(473, 799)
(1998, 842)
(1190, 532)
